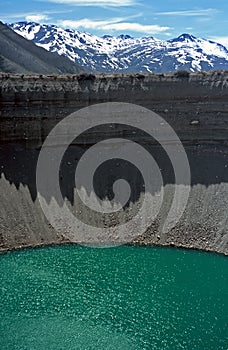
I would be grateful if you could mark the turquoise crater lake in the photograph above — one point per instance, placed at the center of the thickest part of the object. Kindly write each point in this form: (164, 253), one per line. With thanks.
(71, 297)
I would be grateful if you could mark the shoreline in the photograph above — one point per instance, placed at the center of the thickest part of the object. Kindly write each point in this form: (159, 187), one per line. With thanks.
(143, 245)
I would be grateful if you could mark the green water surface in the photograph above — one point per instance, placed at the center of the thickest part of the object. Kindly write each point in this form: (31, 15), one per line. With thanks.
(124, 298)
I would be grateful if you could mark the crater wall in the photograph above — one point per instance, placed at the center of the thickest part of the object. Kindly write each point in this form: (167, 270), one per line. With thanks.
(195, 105)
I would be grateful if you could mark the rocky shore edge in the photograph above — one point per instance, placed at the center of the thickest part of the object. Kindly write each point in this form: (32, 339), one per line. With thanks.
(141, 244)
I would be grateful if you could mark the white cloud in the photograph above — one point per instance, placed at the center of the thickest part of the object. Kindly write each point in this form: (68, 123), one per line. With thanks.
(36, 18)
(136, 27)
(202, 12)
(88, 23)
(100, 3)
(114, 24)
(26, 15)
(221, 40)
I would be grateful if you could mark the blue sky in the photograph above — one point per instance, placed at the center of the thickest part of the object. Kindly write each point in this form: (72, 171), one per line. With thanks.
(163, 19)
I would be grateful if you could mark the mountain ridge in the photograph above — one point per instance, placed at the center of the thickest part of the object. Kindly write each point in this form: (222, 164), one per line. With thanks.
(125, 54)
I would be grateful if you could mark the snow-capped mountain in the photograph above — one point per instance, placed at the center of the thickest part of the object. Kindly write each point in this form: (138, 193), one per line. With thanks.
(124, 53)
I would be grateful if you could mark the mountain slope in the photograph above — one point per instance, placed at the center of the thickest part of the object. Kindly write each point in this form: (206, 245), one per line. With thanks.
(18, 55)
(124, 53)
